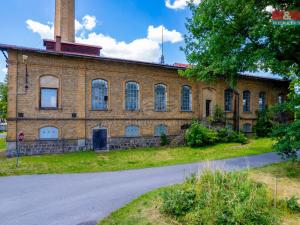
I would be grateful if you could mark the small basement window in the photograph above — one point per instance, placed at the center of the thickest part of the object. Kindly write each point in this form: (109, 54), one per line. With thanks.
(247, 128)
(132, 131)
(49, 133)
(160, 130)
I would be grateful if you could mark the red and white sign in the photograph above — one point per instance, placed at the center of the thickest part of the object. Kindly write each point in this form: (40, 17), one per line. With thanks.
(21, 137)
(286, 17)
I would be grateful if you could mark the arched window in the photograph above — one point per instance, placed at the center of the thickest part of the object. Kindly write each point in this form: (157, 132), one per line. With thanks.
(186, 98)
(160, 130)
(262, 101)
(132, 131)
(160, 97)
(49, 133)
(99, 94)
(246, 101)
(247, 128)
(132, 95)
(49, 86)
(228, 94)
(280, 98)
(229, 126)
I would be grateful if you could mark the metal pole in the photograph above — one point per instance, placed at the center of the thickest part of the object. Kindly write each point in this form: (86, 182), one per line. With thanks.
(275, 197)
(17, 163)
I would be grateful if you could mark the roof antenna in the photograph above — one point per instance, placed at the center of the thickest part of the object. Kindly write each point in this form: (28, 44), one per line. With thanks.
(162, 58)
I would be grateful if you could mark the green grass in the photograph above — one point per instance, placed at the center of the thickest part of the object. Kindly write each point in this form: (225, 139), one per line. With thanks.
(145, 209)
(2, 144)
(129, 159)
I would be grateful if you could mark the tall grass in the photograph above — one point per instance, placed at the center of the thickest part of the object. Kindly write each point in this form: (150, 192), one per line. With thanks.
(217, 198)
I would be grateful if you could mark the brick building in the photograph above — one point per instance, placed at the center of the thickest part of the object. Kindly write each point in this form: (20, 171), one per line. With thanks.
(68, 98)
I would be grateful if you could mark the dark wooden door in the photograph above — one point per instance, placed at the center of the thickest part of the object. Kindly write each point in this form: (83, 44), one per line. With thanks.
(208, 108)
(100, 139)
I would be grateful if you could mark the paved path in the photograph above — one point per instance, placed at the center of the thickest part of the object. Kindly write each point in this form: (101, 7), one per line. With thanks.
(73, 199)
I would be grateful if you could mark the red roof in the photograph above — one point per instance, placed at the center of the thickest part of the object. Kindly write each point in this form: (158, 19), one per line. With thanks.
(75, 48)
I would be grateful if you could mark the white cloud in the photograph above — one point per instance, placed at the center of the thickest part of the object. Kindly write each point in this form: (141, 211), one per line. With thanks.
(4, 70)
(179, 4)
(155, 34)
(142, 49)
(269, 9)
(89, 22)
(78, 26)
(44, 30)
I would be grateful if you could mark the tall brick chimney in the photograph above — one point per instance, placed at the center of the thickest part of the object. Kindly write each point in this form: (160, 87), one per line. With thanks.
(65, 20)
(64, 32)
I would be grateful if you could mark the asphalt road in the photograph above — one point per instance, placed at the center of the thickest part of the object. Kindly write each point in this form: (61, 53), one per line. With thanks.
(73, 199)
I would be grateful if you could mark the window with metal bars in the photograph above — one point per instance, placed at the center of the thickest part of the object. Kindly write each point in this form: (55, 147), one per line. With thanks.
(99, 94)
(132, 95)
(160, 97)
(186, 98)
(262, 101)
(246, 101)
(228, 94)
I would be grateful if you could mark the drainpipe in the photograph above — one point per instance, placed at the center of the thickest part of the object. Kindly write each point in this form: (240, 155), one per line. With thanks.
(237, 110)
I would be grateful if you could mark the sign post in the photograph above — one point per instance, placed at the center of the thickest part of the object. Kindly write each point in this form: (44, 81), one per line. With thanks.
(20, 139)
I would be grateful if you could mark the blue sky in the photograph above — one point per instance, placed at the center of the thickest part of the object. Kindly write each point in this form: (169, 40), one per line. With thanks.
(129, 29)
(124, 28)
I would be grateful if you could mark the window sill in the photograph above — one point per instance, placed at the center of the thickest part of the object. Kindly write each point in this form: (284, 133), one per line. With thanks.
(49, 109)
(161, 111)
(247, 112)
(48, 139)
(100, 110)
(133, 111)
(186, 111)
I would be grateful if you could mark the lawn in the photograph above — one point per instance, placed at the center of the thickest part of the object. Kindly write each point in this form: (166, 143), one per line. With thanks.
(2, 144)
(129, 159)
(145, 210)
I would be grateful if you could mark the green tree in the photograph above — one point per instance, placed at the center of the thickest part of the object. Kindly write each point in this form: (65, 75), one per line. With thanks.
(3, 99)
(288, 134)
(264, 125)
(227, 37)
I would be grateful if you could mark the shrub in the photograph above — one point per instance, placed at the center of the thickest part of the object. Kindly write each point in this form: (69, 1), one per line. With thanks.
(226, 135)
(292, 204)
(177, 202)
(164, 140)
(220, 198)
(218, 115)
(264, 125)
(197, 135)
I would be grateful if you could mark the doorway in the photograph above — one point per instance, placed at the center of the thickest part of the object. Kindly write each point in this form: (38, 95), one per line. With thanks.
(208, 108)
(100, 139)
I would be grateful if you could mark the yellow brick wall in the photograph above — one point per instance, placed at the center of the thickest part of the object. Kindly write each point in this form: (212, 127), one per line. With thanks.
(76, 76)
